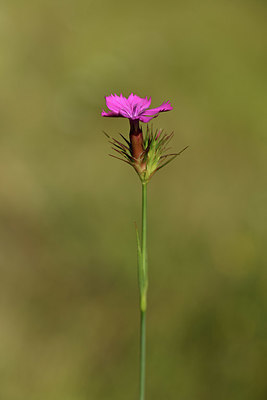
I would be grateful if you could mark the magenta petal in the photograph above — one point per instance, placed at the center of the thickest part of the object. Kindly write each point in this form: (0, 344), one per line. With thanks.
(164, 107)
(118, 106)
(109, 114)
(133, 107)
(146, 119)
(138, 102)
(145, 104)
(114, 102)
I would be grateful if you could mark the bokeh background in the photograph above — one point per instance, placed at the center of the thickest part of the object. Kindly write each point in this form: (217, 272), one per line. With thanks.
(69, 320)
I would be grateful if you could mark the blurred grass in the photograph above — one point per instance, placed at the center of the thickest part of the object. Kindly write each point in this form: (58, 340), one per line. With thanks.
(69, 319)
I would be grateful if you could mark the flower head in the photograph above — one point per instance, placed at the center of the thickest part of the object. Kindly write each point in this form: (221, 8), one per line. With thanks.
(133, 107)
(146, 153)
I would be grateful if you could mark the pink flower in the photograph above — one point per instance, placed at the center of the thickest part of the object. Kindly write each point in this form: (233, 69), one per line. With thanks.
(133, 108)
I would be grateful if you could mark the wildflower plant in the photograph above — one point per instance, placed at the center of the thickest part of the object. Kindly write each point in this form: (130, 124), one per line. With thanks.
(147, 153)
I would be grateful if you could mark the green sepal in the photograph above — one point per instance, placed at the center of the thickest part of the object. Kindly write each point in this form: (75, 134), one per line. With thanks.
(153, 158)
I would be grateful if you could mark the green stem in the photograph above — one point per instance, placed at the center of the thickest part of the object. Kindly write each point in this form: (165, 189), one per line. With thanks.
(142, 355)
(144, 235)
(143, 292)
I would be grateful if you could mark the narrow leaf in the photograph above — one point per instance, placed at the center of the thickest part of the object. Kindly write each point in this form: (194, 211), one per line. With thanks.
(121, 159)
(127, 141)
(105, 133)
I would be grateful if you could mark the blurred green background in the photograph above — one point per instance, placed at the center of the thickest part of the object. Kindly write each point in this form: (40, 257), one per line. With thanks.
(69, 320)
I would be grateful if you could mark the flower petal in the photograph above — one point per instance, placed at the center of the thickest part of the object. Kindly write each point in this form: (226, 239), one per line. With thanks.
(164, 107)
(119, 105)
(109, 114)
(139, 103)
(146, 119)
(113, 102)
(133, 107)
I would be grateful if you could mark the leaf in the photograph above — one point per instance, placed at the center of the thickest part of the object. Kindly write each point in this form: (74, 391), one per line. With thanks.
(127, 141)
(105, 133)
(172, 158)
(121, 144)
(167, 162)
(118, 158)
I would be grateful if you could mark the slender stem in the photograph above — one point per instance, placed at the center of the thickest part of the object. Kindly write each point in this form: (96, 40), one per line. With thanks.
(142, 355)
(143, 293)
(144, 230)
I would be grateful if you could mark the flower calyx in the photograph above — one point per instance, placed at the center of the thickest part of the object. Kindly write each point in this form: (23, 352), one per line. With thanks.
(146, 153)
